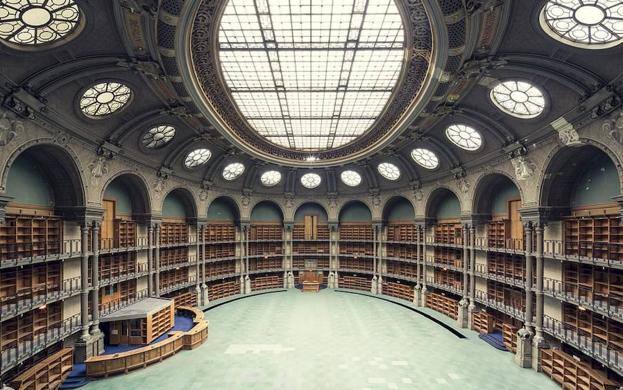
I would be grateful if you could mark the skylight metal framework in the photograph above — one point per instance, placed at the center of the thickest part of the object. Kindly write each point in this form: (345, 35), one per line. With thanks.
(311, 76)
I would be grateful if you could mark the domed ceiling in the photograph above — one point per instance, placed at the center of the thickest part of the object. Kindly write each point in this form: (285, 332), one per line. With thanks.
(325, 97)
(310, 83)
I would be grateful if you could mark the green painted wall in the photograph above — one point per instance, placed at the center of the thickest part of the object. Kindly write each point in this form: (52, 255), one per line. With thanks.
(597, 183)
(310, 209)
(449, 207)
(266, 212)
(400, 210)
(28, 184)
(220, 210)
(120, 193)
(505, 192)
(173, 206)
(355, 212)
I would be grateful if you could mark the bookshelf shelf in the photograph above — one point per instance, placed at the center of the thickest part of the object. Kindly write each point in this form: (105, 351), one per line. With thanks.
(443, 304)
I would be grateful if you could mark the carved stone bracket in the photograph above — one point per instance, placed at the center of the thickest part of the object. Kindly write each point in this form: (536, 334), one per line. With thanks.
(9, 128)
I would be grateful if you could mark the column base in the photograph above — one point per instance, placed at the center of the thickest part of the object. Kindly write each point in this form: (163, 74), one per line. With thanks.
(463, 314)
(247, 285)
(471, 309)
(538, 342)
(523, 357)
(423, 296)
(331, 280)
(337, 280)
(290, 280)
(199, 294)
(417, 295)
(374, 286)
(84, 349)
(379, 285)
(205, 298)
(242, 285)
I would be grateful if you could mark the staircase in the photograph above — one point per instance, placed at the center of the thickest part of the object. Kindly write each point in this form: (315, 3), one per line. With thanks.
(495, 339)
(77, 377)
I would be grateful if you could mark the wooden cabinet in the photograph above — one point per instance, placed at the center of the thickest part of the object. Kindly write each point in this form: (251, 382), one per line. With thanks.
(355, 282)
(27, 236)
(594, 236)
(482, 322)
(572, 373)
(47, 374)
(173, 233)
(443, 304)
(448, 232)
(223, 288)
(265, 282)
(398, 289)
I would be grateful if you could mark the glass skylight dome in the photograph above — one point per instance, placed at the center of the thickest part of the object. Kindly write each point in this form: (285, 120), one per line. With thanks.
(311, 76)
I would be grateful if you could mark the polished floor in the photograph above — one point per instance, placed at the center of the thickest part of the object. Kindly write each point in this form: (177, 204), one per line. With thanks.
(330, 340)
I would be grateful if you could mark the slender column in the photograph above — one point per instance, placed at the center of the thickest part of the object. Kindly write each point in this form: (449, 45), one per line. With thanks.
(150, 260)
(472, 266)
(424, 271)
(198, 256)
(95, 300)
(528, 281)
(418, 253)
(539, 281)
(240, 230)
(203, 255)
(157, 258)
(247, 281)
(465, 260)
(84, 280)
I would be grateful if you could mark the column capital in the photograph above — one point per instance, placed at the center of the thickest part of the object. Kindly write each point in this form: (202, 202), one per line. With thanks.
(536, 215)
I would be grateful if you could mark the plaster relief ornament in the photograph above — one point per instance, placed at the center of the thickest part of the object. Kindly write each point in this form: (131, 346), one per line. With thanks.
(9, 129)
(418, 194)
(98, 168)
(203, 195)
(159, 187)
(524, 168)
(569, 136)
(614, 129)
(245, 200)
(463, 185)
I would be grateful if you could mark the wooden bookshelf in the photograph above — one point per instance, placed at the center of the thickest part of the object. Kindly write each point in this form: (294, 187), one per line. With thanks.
(572, 373)
(124, 233)
(46, 374)
(115, 294)
(116, 265)
(173, 232)
(509, 336)
(220, 232)
(310, 247)
(483, 322)
(398, 289)
(402, 232)
(594, 236)
(173, 277)
(356, 231)
(446, 256)
(28, 282)
(223, 288)
(506, 265)
(602, 330)
(265, 282)
(30, 235)
(142, 330)
(443, 304)
(187, 298)
(322, 262)
(220, 268)
(265, 248)
(23, 329)
(355, 282)
(363, 264)
(269, 263)
(173, 256)
(317, 232)
(401, 251)
(448, 232)
(268, 231)
(498, 232)
(408, 270)
(588, 283)
(509, 296)
(453, 279)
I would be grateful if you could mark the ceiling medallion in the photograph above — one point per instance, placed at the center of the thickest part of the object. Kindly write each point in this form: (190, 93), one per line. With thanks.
(281, 81)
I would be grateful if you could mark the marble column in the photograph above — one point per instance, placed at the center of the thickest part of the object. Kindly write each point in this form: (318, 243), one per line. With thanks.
(523, 357)
(472, 275)
(463, 314)
(84, 280)
(157, 259)
(150, 260)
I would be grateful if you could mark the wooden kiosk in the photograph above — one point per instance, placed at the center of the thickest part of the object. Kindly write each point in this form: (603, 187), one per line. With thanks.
(141, 322)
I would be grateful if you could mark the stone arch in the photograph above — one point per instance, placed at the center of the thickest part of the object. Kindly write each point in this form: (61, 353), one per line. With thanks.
(351, 203)
(269, 202)
(188, 200)
(60, 164)
(231, 203)
(141, 200)
(434, 199)
(484, 191)
(391, 202)
(318, 205)
(558, 177)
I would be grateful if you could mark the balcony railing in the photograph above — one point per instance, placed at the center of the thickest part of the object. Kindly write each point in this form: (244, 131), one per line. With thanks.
(583, 296)
(16, 254)
(22, 350)
(597, 253)
(18, 305)
(484, 298)
(585, 343)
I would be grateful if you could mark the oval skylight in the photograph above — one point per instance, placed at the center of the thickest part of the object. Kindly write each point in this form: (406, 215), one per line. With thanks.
(158, 136)
(464, 136)
(310, 180)
(518, 98)
(197, 157)
(233, 170)
(595, 24)
(351, 178)
(389, 171)
(270, 178)
(34, 23)
(425, 158)
(311, 78)
(104, 99)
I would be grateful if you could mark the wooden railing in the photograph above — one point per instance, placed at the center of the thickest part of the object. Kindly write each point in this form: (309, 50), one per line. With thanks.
(121, 363)
(48, 373)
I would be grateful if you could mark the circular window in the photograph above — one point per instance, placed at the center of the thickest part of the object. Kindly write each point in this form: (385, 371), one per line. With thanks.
(158, 136)
(233, 170)
(425, 158)
(464, 137)
(351, 178)
(518, 98)
(310, 180)
(389, 171)
(197, 157)
(104, 99)
(270, 178)
(36, 22)
(597, 24)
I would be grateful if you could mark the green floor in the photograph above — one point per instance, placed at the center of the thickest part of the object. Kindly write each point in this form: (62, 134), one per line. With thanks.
(330, 340)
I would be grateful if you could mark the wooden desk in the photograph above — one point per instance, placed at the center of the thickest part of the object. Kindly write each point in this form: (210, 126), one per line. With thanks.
(311, 286)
